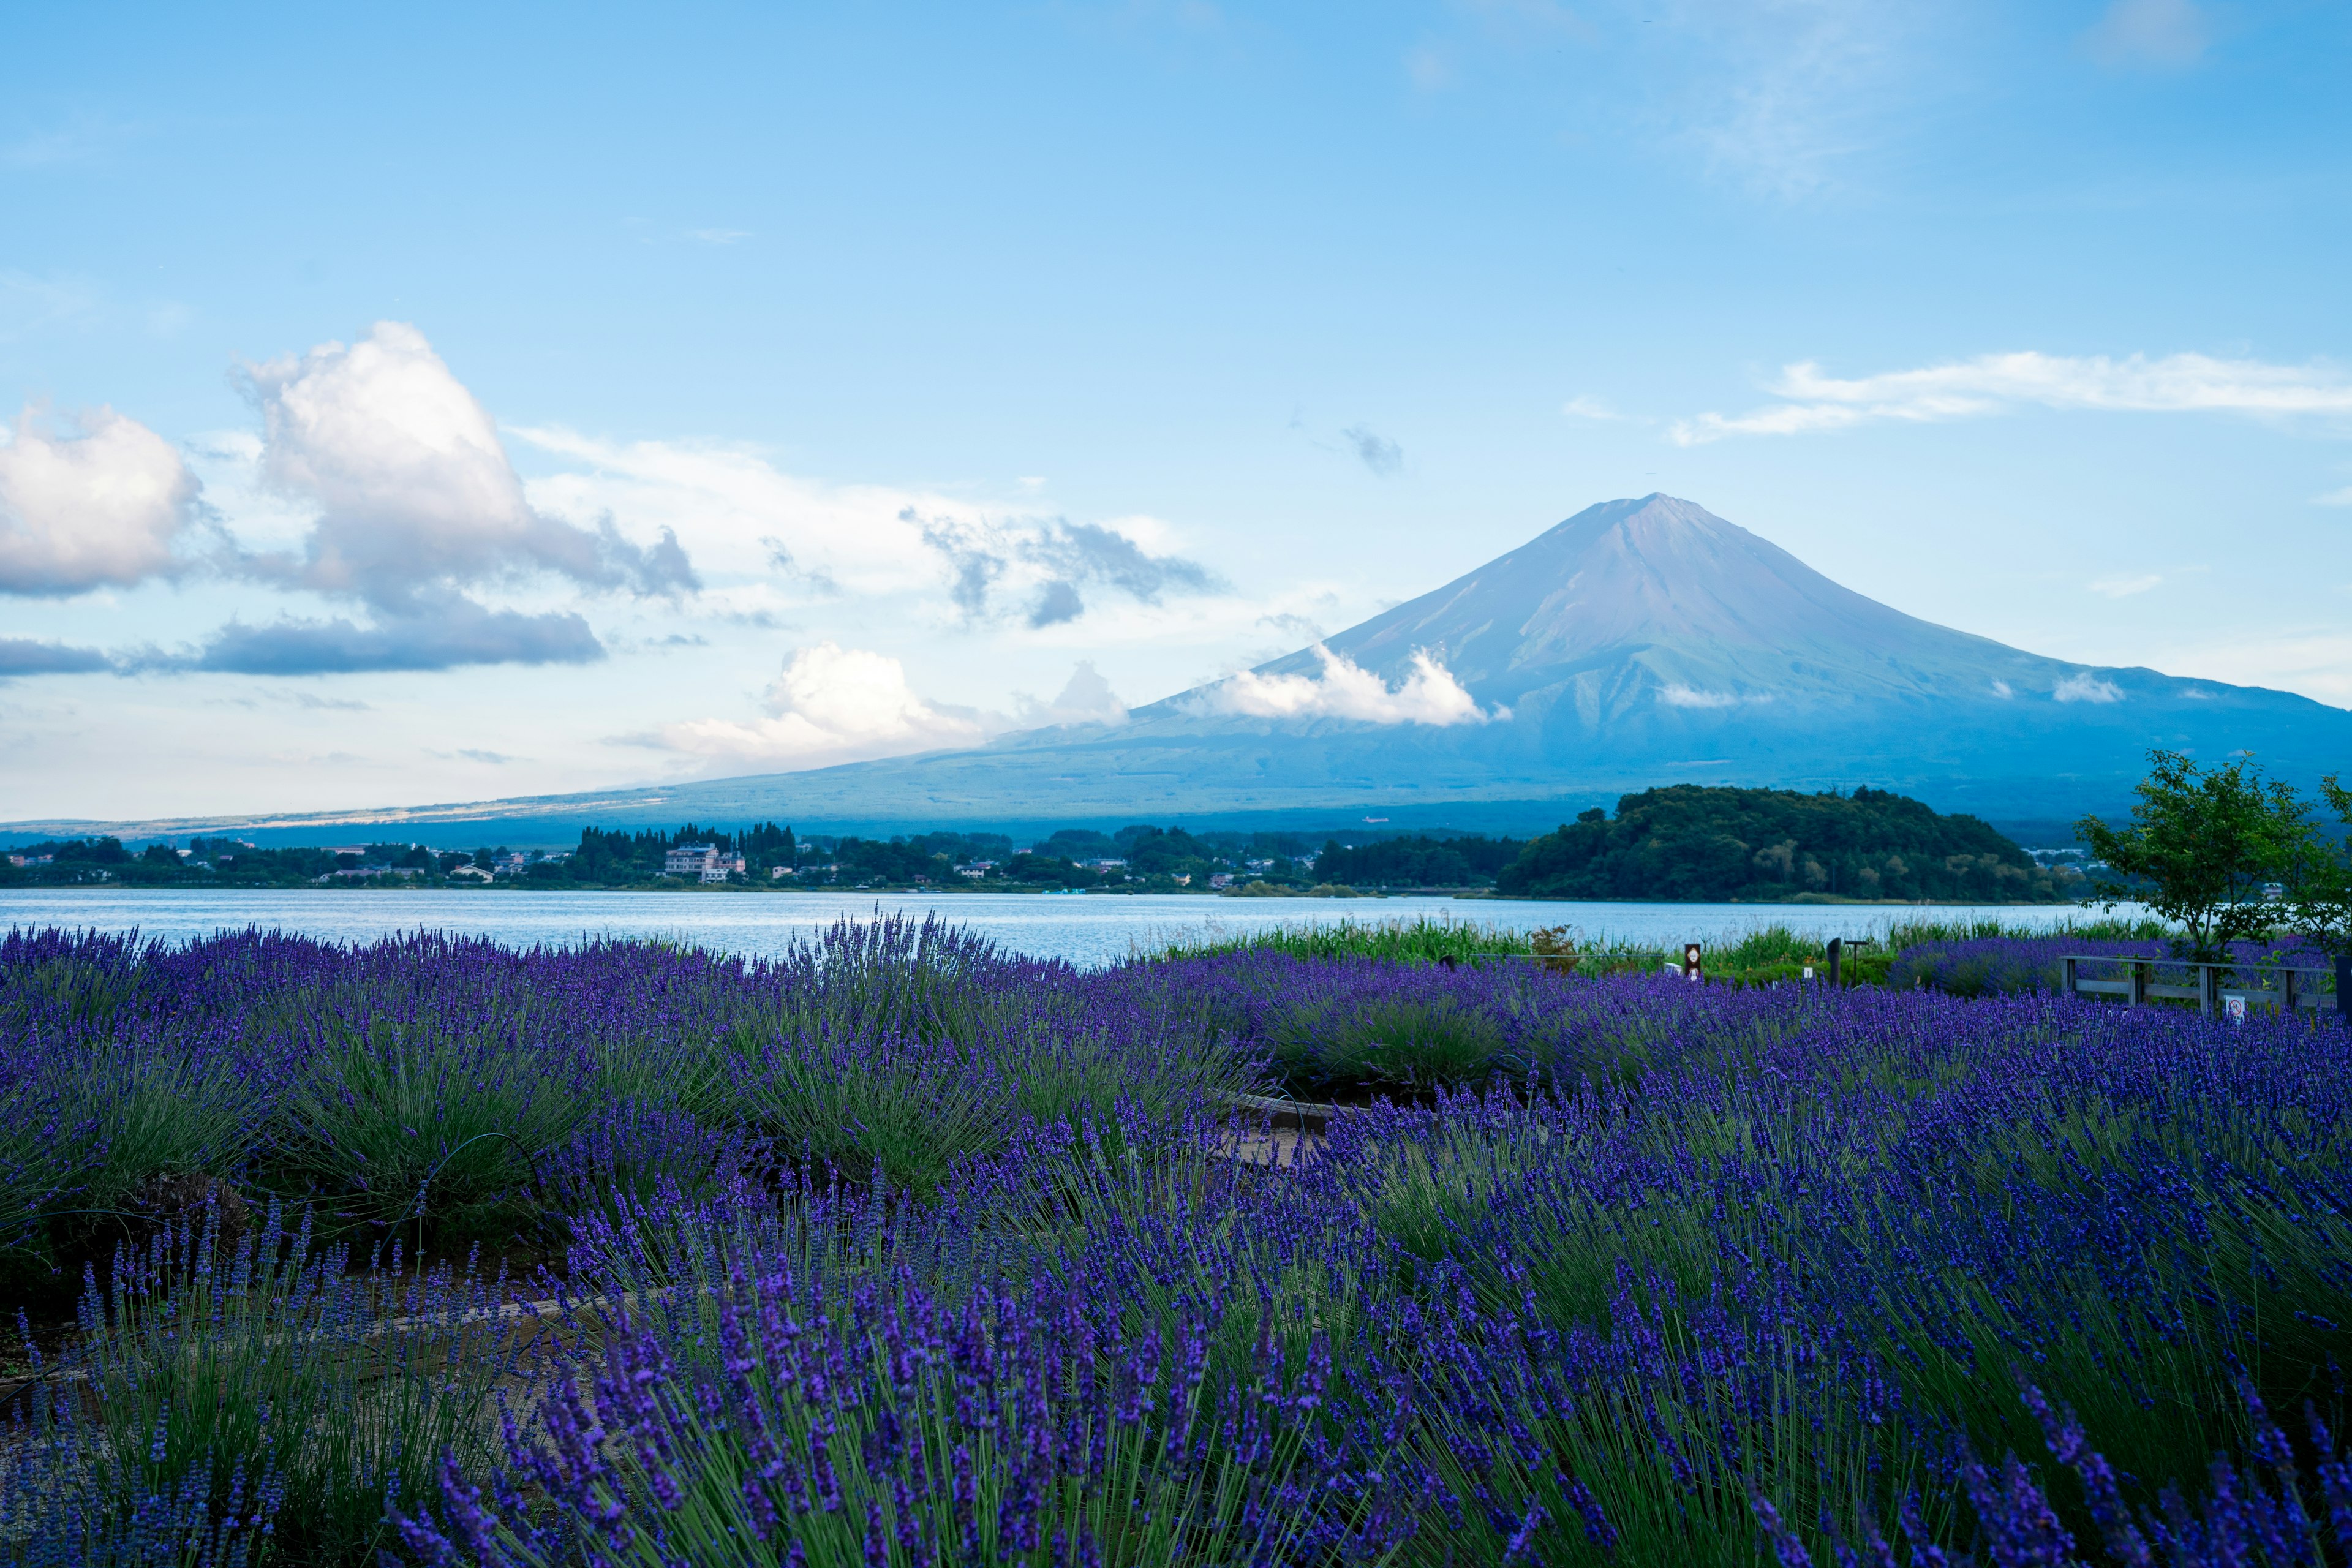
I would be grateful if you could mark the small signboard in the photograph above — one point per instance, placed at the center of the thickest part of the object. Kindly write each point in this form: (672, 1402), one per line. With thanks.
(2234, 1006)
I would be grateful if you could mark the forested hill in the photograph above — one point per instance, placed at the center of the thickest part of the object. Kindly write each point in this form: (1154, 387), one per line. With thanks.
(1691, 842)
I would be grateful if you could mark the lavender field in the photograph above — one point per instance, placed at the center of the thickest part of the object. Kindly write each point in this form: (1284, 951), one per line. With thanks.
(898, 1250)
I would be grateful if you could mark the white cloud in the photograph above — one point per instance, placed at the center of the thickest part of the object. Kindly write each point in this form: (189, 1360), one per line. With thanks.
(413, 488)
(1430, 695)
(828, 705)
(2084, 687)
(2335, 497)
(1676, 694)
(1582, 408)
(718, 235)
(1086, 698)
(1996, 383)
(733, 509)
(2316, 661)
(2125, 587)
(2165, 33)
(101, 504)
(2002, 690)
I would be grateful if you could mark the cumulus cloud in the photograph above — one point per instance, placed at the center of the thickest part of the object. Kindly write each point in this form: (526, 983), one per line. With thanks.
(413, 489)
(1048, 566)
(2086, 687)
(100, 503)
(831, 704)
(23, 656)
(1345, 689)
(1998, 383)
(443, 635)
(1378, 453)
(2160, 33)
(1086, 698)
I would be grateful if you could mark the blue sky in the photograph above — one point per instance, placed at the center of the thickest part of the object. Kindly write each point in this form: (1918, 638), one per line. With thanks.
(430, 406)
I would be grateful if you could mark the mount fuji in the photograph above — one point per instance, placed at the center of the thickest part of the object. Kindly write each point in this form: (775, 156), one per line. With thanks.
(1640, 642)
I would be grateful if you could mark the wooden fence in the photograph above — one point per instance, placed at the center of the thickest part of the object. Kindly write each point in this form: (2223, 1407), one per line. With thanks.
(2284, 987)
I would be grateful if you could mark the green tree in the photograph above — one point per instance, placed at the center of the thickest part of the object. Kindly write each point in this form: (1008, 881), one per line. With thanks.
(2319, 879)
(2202, 844)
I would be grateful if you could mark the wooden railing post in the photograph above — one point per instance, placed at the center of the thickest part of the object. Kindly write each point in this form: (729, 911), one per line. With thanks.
(2071, 977)
(2344, 985)
(1837, 954)
(2208, 988)
(2141, 970)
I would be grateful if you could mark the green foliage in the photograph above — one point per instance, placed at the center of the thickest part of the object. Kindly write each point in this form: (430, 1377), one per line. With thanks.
(2202, 844)
(263, 1367)
(1406, 1043)
(397, 1119)
(2318, 877)
(1692, 842)
(1419, 862)
(1421, 939)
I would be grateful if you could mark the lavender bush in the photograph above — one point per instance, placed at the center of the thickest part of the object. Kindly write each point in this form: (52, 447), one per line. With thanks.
(901, 1251)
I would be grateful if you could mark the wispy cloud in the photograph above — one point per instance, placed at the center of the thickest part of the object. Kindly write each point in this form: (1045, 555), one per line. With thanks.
(2125, 587)
(2335, 497)
(1589, 408)
(718, 235)
(2000, 383)
(2166, 34)
(1047, 566)
(75, 142)
(23, 656)
(1374, 450)
(2086, 687)
(443, 635)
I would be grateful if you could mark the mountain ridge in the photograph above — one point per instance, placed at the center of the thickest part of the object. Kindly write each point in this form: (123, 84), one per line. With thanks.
(1642, 641)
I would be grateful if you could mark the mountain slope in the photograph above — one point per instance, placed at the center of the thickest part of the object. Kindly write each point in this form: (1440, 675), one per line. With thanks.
(1640, 642)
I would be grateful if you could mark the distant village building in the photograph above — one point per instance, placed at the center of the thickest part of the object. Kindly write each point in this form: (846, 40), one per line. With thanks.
(1221, 879)
(704, 862)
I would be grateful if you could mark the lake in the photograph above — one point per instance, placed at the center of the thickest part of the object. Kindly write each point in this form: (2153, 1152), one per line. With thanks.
(1087, 930)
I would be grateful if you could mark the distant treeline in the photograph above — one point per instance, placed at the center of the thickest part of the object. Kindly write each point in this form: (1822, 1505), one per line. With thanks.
(1689, 842)
(1715, 845)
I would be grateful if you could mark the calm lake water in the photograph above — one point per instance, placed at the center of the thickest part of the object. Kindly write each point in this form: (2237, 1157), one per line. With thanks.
(1087, 930)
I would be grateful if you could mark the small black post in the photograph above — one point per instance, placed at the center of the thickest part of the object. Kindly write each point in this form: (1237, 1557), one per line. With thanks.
(1446, 961)
(1837, 953)
(2344, 985)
